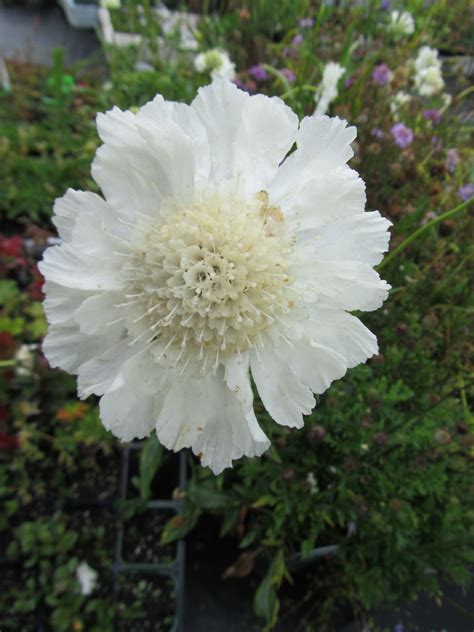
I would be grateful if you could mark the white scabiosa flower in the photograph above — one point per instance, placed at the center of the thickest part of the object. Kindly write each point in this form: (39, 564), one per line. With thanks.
(87, 578)
(398, 102)
(428, 75)
(327, 90)
(401, 24)
(214, 256)
(217, 62)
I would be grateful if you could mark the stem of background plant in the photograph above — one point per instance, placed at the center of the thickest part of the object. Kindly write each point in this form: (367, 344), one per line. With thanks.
(278, 75)
(296, 89)
(420, 231)
(5, 364)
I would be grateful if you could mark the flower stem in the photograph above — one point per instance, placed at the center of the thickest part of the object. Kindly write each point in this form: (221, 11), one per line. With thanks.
(423, 229)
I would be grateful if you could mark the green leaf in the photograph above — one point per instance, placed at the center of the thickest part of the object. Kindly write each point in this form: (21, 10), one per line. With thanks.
(266, 604)
(207, 498)
(150, 460)
(8, 289)
(180, 524)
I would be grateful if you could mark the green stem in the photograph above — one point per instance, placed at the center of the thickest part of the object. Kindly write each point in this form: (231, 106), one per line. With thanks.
(420, 231)
(4, 364)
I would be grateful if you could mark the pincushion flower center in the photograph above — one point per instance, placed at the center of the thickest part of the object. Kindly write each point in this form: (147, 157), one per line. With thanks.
(206, 280)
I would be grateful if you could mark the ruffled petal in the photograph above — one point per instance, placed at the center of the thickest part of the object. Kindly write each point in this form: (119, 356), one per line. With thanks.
(219, 109)
(129, 408)
(324, 198)
(343, 333)
(210, 420)
(315, 365)
(363, 238)
(266, 134)
(340, 285)
(281, 392)
(323, 144)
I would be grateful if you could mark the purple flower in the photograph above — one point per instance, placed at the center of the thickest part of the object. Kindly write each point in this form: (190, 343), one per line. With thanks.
(385, 5)
(402, 135)
(437, 143)
(258, 73)
(466, 192)
(381, 74)
(306, 23)
(452, 160)
(288, 74)
(289, 52)
(433, 115)
(239, 83)
(348, 82)
(377, 133)
(297, 40)
(399, 628)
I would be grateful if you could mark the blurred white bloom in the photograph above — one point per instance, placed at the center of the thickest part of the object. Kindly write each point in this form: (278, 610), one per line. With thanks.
(214, 257)
(217, 62)
(25, 360)
(401, 23)
(429, 81)
(327, 90)
(364, 447)
(428, 76)
(447, 100)
(426, 58)
(399, 101)
(87, 578)
(313, 483)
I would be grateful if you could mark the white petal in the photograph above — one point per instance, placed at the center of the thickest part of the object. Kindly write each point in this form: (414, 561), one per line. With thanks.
(343, 333)
(104, 372)
(219, 108)
(281, 392)
(324, 198)
(187, 119)
(68, 266)
(96, 312)
(266, 134)
(314, 364)
(323, 144)
(211, 420)
(61, 303)
(66, 348)
(129, 410)
(363, 238)
(340, 284)
(138, 167)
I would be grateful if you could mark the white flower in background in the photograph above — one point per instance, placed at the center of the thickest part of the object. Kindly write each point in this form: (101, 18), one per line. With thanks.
(213, 257)
(426, 58)
(87, 578)
(399, 101)
(401, 23)
(327, 90)
(217, 62)
(25, 360)
(428, 75)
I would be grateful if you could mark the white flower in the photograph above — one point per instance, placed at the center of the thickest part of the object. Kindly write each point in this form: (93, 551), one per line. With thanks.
(426, 58)
(25, 360)
(428, 75)
(217, 62)
(87, 578)
(327, 90)
(429, 81)
(399, 101)
(401, 23)
(213, 256)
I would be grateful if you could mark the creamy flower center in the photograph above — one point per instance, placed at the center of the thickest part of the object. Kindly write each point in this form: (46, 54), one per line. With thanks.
(204, 281)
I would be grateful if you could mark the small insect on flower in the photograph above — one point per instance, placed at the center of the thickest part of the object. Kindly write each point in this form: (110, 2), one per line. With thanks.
(217, 253)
